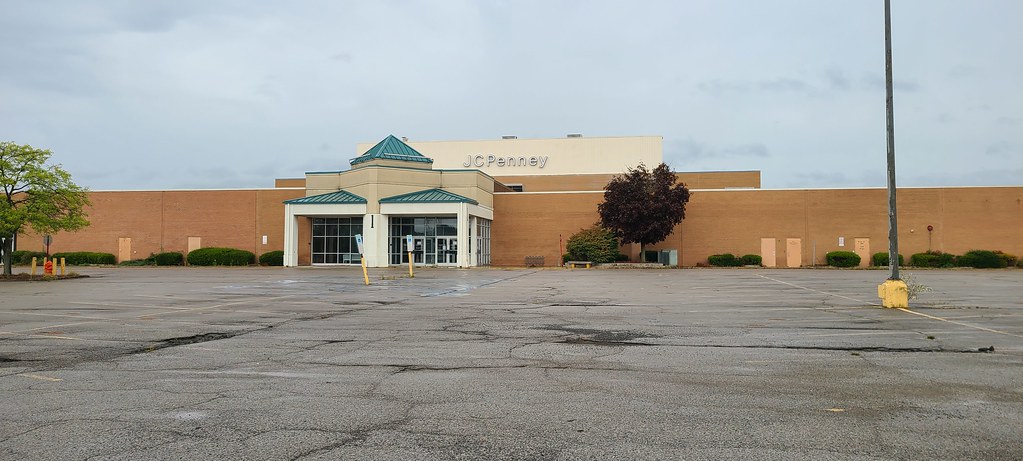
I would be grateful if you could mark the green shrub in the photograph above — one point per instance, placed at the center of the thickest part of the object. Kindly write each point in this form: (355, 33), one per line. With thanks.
(981, 259)
(842, 259)
(932, 259)
(24, 257)
(170, 258)
(621, 258)
(752, 260)
(595, 244)
(1010, 260)
(137, 262)
(1019, 263)
(881, 259)
(78, 258)
(272, 258)
(724, 260)
(220, 257)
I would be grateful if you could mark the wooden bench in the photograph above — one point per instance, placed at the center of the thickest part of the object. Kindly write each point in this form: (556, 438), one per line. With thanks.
(575, 264)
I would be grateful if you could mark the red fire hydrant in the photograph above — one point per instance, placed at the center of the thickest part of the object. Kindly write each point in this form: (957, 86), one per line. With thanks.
(48, 267)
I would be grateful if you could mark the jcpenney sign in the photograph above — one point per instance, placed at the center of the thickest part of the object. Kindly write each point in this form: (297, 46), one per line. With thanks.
(480, 160)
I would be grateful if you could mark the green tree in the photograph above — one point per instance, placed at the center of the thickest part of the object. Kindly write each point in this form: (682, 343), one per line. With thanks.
(37, 196)
(643, 206)
(595, 244)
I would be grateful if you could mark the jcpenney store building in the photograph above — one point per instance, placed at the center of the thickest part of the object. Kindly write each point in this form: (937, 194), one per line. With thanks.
(440, 193)
(503, 201)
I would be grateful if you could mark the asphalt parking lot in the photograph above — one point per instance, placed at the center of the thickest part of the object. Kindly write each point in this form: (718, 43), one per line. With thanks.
(308, 363)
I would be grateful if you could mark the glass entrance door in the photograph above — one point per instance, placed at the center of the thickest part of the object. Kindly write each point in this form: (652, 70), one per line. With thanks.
(418, 250)
(447, 250)
(434, 240)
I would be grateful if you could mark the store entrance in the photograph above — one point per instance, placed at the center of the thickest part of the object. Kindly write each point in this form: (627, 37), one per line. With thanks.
(447, 251)
(434, 240)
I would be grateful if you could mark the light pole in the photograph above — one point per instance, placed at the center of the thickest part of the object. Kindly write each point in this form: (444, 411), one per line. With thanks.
(893, 292)
(893, 228)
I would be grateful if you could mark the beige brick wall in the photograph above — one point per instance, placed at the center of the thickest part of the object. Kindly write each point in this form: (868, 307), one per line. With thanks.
(529, 224)
(163, 220)
(724, 221)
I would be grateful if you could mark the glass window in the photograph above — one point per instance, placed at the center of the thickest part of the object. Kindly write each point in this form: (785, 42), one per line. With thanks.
(483, 242)
(333, 240)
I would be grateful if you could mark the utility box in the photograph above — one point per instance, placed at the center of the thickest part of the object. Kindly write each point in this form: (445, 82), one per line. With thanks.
(668, 257)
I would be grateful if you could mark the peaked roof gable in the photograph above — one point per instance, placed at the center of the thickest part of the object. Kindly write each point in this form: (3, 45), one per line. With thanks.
(391, 148)
(330, 198)
(429, 196)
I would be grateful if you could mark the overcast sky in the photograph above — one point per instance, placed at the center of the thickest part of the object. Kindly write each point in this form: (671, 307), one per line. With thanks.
(219, 94)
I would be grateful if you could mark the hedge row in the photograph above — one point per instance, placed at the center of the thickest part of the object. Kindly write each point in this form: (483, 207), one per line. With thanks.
(842, 259)
(170, 258)
(200, 257)
(272, 258)
(932, 259)
(881, 259)
(972, 258)
(730, 260)
(983, 259)
(78, 258)
(24, 257)
(220, 257)
(74, 258)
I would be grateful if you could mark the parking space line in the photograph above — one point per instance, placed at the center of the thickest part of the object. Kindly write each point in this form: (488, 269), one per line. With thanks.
(983, 316)
(967, 325)
(864, 333)
(61, 315)
(222, 305)
(59, 325)
(40, 377)
(32, 335)
(976, 327)
(819, 291)
(771, 309)
(28, 332)
(140, 306)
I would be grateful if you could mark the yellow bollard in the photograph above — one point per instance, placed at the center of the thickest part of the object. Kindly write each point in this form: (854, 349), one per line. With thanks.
(61, 267)
(410, 274)
(33, 266)
(365, 275)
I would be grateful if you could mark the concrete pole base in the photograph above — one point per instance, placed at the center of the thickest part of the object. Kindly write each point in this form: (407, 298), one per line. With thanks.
(893, 294)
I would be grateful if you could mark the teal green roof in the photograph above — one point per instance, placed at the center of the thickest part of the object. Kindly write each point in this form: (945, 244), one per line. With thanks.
(391, 148)
(429, 196)
(331, 198)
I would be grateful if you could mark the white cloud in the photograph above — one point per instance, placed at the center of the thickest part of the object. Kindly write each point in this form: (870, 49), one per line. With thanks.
(164, 94)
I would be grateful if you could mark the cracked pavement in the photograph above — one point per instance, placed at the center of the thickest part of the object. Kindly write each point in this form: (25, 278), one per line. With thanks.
(308, 363)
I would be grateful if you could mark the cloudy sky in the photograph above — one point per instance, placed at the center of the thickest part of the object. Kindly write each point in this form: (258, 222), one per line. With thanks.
(213, 94)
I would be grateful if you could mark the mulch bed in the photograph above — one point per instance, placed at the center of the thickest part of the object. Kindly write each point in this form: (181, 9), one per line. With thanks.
(38, 278)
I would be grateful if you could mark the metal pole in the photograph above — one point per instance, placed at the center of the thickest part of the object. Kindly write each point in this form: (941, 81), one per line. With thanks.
(893, 228)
